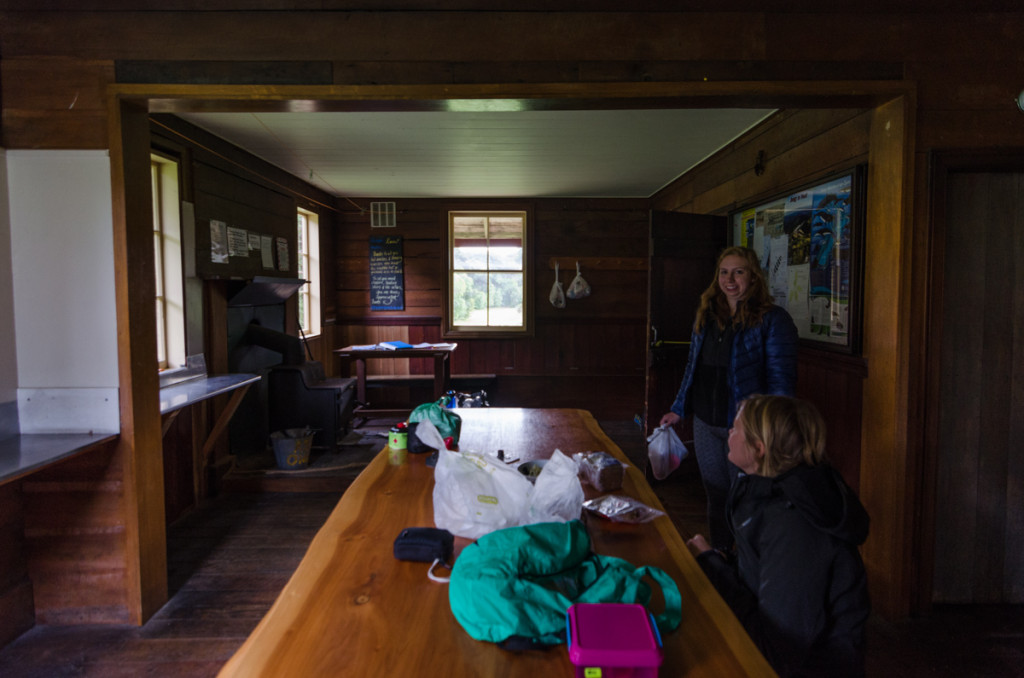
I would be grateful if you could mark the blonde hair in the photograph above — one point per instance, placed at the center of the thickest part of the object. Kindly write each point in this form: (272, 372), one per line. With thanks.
(791, 430)
(750, 311)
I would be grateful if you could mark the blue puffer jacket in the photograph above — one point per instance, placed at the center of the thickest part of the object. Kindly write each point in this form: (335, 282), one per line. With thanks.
(763, 362)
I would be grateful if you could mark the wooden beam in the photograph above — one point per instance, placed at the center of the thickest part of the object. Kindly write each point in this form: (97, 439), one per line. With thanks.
(141, 440)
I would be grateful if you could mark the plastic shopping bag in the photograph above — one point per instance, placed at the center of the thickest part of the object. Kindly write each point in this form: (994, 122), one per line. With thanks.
(665, 451)
(557, 295)
(557, 493)
(579, 287)
(474, 496)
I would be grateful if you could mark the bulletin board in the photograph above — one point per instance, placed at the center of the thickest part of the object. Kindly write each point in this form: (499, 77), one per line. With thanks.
(810, 243)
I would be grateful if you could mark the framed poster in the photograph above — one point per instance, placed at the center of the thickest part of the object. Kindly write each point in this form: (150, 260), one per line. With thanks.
(810, 244)
(387, 279)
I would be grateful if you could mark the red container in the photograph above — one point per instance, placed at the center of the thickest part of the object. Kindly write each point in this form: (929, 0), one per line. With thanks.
(613, 640)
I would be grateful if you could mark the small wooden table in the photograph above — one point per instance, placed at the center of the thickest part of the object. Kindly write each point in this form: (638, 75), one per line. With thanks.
(441, 356)
(352, 609)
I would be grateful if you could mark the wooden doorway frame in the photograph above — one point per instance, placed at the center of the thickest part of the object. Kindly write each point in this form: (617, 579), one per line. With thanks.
(887, 439)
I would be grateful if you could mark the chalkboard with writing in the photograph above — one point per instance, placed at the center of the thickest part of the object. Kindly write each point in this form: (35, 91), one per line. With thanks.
(387, 283)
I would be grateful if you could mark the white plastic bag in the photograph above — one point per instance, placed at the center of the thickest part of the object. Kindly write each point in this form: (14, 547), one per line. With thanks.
(665, 451)
(557, 295)
(474, 496)
(579, 287)
(557, 493)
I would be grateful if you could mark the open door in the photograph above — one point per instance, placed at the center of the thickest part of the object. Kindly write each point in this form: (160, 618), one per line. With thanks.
(683, 251)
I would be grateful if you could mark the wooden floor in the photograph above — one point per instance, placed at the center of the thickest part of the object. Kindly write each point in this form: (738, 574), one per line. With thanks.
(229, 560)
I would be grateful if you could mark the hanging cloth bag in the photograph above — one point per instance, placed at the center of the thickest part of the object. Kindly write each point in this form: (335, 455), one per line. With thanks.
(514, 586)
(579, 287)
(557, 296)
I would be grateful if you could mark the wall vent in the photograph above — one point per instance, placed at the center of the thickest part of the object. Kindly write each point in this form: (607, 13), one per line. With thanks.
(382, 215)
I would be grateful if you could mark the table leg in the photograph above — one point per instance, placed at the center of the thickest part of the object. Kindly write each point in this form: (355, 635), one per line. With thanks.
(442, 374)
(361, 379)
(218, 428)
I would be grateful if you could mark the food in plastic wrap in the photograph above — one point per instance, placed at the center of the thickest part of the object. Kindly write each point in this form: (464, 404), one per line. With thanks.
(622, 509)
(601, 470)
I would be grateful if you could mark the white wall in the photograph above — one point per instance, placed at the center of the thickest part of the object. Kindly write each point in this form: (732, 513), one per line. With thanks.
(8, 355)
(63, 281)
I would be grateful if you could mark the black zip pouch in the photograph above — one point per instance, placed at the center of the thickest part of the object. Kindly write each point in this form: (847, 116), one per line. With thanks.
(424, 544)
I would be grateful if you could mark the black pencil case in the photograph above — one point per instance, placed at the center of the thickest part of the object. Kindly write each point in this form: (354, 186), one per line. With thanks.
(424, 544)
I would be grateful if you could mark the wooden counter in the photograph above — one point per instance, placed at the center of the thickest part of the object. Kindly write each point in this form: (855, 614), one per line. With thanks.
(351, 609)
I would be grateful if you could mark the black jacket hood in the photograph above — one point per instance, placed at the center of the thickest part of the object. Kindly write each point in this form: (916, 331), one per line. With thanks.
(825, 500)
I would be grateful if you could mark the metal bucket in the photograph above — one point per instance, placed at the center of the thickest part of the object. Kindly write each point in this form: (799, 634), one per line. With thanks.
(291, 447)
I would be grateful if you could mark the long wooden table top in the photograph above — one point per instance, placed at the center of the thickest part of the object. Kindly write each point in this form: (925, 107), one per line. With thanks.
(351, 609)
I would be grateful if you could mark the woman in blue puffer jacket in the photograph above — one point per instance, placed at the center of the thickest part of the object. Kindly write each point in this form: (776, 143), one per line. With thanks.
(742, 344)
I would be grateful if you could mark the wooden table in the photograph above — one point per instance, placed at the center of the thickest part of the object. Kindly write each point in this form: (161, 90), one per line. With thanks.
(351, 609)
(441, 356)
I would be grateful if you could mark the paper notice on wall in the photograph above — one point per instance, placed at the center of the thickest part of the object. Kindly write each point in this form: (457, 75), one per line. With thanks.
(267, 251)
(796, 300)
(238, 242)
(776, 267)
(218, 242)
(282, 254)
(254, 241)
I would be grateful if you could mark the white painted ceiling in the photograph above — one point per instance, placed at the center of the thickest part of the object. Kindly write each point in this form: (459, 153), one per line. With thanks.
(493, 154)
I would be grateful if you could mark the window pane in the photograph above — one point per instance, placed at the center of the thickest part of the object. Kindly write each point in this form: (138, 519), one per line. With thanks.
(472, 258)
(469, 299)
(469, 228)
(506, 299)
(506, 258)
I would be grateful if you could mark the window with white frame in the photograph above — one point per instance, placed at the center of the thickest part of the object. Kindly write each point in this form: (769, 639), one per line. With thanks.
(488, 286)
(309, 270)
(170, 295)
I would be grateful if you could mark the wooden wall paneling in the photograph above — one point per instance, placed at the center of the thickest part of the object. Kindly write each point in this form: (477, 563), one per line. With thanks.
(784, 139)
(76, 539)
(965, 83)
(834, 384)
(17, 610)
(799, 145)
(1014, 488)
(178, 464)
(997, 213)
(961, 362)
(352, 36)
(54, 103)
(889, 36)
(976, 486)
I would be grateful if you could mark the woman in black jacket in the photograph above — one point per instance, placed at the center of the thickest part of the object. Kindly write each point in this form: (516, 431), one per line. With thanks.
(796, 581)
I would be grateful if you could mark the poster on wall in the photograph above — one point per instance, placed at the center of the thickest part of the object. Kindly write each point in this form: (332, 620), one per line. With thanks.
(809, 243)
(238, 242)
(267, 251)
(218, 241)
(282, 254)
(387, 280)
